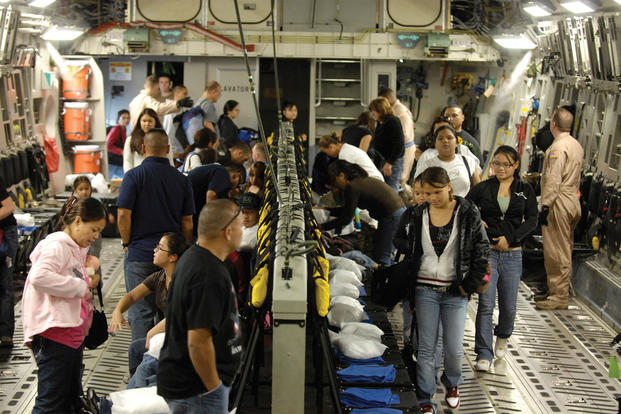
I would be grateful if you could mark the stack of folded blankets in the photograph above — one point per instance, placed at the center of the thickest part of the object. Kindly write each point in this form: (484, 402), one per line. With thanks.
(358, 343)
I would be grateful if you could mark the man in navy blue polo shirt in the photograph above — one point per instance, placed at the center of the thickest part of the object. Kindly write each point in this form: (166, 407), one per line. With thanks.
(154, 199)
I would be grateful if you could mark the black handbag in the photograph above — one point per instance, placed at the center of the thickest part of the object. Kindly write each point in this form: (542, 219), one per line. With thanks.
(98, 334)
(391, 284)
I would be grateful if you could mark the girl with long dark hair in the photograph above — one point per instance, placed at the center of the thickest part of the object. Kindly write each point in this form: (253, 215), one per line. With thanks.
(448, 253)
(509, 210)
(229, 132)
(132, 151)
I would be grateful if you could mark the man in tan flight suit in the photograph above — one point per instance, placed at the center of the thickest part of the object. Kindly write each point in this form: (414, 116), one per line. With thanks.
(560, 182)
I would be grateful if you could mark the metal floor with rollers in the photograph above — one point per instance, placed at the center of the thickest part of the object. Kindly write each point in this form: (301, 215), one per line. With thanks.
(557, 361)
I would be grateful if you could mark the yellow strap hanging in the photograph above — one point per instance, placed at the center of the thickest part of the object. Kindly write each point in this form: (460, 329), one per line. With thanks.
(259, 287)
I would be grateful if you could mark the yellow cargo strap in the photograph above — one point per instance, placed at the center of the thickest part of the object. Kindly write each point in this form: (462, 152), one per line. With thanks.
(259, 287)
(322, 287)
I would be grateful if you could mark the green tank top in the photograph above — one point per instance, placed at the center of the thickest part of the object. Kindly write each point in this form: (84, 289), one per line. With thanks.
(503, 202)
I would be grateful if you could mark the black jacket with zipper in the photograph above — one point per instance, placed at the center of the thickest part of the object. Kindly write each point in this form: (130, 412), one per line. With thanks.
(521, 217)
(473, 250)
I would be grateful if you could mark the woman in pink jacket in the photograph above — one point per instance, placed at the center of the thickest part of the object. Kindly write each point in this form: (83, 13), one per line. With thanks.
(57, 306)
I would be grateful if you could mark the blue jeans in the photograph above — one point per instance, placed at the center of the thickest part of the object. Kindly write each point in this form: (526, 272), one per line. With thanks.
(506, 275)
(135, 353)
(142, 313)
(215, 401)
(382, 242)
(360, 258)
(59, 377)
(394, 179)
(407, 322)
(146, 373)
(115, 171)
(7, 263)
(433, 307)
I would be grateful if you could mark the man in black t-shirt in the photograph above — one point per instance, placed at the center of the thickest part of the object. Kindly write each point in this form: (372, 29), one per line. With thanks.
(202, 349)
(8, 249)
(455, 115)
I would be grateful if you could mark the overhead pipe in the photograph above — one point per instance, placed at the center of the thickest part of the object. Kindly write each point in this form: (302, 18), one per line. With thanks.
(196, 28)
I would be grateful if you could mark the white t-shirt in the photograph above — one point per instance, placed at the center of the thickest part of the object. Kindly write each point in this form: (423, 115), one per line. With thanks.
(457, 172)
(192, 161)
(249, 237)
(357, 156)
(464, 150)
(132, 159)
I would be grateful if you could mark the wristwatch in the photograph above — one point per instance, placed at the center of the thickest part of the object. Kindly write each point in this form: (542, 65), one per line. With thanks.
(125, 244)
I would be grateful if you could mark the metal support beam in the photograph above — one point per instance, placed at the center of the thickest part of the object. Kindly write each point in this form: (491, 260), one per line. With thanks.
(289, 289)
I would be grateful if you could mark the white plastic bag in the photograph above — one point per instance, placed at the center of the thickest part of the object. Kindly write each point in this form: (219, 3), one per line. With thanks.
(155, 345)
(138, 401)
(344, 276)
(321, 215)
(337, 262)
(99, 183)
(357, 347)
(344, 289)
(347, 300)
(24, 220)
(364, 330)
(343, 310)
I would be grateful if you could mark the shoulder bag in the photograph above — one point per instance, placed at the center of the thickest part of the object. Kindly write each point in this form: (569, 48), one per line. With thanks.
(98, 334)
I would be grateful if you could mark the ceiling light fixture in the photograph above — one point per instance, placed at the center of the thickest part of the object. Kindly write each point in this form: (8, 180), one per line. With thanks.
(536, 10)
(515, 42)
(35, 23)
(33, 30)
(41, 3)
(62, 33)
(581, 6)
(32, 16)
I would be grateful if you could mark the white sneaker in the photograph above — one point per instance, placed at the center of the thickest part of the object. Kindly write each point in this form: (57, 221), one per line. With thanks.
(500, 349)
(483, 365)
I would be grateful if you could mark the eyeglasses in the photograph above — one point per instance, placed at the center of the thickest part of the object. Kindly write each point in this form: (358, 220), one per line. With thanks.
(453, 116)
(232, 219)
(498, 164)
(159, 248)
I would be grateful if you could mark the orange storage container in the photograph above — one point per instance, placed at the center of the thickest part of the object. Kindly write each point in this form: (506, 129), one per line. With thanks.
(86, 159)
(75, 79)
(76, 118)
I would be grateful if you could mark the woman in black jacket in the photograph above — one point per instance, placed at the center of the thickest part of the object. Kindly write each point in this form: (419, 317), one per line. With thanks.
(509, 210)
(229, 133)
(448, 252)
(388, 141)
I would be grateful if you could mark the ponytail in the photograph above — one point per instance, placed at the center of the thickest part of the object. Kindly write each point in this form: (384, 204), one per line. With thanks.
(88, 209)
